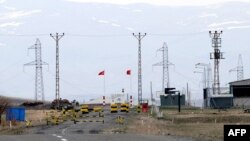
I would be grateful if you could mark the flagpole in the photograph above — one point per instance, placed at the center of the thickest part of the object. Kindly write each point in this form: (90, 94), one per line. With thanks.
(104, 86)
(130, 84)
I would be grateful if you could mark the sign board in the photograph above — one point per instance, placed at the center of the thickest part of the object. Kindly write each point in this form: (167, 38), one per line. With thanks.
(169, 90)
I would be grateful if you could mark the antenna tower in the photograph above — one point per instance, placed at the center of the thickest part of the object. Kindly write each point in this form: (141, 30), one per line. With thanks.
(217, 56)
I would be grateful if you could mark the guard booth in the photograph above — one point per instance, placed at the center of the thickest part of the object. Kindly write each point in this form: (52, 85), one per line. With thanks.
(144, 105)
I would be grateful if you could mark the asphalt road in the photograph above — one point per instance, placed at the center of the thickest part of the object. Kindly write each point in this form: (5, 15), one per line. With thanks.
(91, 137)
(88, 131)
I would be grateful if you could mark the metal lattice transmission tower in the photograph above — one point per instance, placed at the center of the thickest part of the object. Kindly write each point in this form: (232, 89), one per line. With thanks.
(165, 67)
(39, 87)
(57, 37)
(239, 69)
(216, 55)
(139, 37)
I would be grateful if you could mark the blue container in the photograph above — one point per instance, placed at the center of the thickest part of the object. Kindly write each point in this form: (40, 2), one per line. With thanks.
(15, 113)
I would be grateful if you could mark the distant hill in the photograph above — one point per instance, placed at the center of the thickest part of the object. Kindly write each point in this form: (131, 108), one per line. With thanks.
(14, 101)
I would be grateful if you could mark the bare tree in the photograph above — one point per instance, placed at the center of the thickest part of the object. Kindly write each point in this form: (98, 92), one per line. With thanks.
(4, 103)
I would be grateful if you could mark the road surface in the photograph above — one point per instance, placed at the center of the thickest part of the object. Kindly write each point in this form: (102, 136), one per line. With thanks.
(88, 131)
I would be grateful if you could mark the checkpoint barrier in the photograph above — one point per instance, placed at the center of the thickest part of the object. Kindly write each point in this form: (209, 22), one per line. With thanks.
(120, 120)
(138, 109)
(28, 123)
(75, 121)
(98, 109)
(92, 116)
(66, 114)
(84, 109)
(113, 108)
(53, 118)
(89, 118)
(124, 107)
(69, 114)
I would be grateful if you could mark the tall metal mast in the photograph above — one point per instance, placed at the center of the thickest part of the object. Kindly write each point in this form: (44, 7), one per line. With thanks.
(139, 37)
(165, 66)
(216, 55)
(57, 37)
(39, 87)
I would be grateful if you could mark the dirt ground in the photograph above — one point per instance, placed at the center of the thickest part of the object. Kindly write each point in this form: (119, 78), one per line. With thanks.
(37, 117)
(201, 124)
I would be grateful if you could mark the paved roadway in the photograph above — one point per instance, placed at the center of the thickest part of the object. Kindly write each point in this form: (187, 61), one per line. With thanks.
(91, 131)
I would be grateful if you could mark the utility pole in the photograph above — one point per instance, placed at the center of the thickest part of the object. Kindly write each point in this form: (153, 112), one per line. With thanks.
(188, 96)
(179, 102)
(139, 37)
(39, 87)
(203, 78)
(206, 73)
(216, 55)
(165, 66)
(239, 69)
(57, 37)
(151, 91)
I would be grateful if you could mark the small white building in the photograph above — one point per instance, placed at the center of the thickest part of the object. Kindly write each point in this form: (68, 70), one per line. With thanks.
(114, 98)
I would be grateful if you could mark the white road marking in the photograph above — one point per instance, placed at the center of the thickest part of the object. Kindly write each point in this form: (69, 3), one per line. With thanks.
(63, 131)
(62, 139)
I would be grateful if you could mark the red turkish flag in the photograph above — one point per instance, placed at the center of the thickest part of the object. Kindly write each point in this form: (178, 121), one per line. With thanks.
(101, 73)
(128, 72)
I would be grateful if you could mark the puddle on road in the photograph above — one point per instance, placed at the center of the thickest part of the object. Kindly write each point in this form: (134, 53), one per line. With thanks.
(95, 131)
(78, 132)
(87, 131)
(45, 127)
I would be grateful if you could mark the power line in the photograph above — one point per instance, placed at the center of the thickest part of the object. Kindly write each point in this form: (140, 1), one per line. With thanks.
(98, 35)
(16, 75)
(186, 77)
(101, 35)
(10, 66)
(174, 34)
(23, 35)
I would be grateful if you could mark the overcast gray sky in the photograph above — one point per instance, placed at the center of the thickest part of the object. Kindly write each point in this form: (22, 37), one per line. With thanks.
(98, 36)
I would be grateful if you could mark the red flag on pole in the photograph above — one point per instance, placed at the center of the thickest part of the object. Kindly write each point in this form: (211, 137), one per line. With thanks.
(101, 73)
(128, 72)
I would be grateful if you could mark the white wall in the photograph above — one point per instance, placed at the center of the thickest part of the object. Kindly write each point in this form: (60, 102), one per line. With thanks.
(242, 102)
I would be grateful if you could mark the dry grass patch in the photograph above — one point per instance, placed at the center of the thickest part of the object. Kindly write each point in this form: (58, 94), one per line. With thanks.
(200, 124)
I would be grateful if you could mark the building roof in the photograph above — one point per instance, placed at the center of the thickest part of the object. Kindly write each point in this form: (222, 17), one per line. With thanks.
(240, 82)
